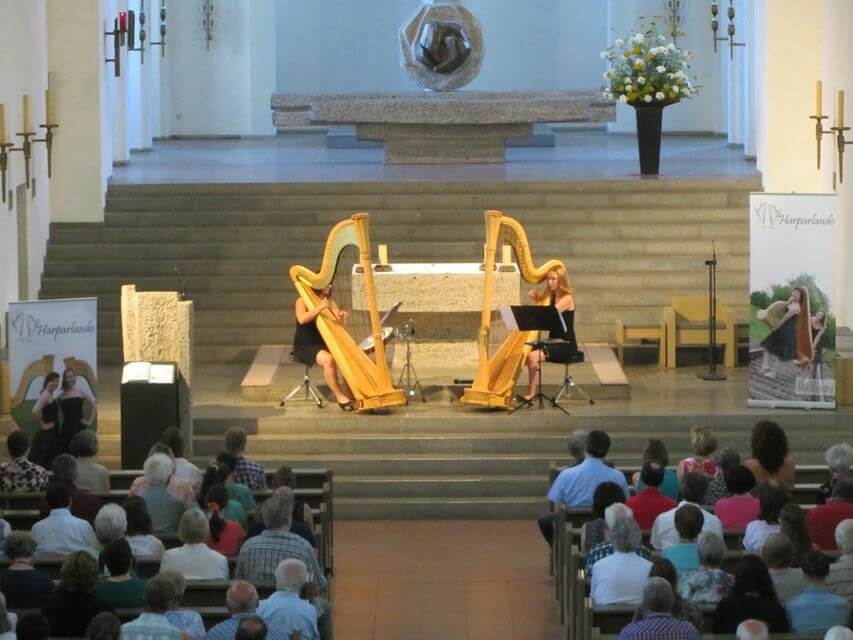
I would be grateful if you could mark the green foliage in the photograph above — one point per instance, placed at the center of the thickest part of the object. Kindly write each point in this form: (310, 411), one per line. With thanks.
(760, 299)
(818, 301)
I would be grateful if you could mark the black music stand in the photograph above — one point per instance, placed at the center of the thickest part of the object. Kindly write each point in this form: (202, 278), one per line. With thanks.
(536, 318)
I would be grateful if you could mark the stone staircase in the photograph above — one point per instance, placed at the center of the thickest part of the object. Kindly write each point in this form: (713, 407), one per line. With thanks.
(629, 246)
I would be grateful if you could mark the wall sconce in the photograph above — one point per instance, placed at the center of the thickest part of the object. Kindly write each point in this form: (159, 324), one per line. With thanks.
(839, 130)
(674, 19)
(131, 32)
(49, 125)
(162, 43)
(4, 151)
(26, 144)
(207, 22)
(715, 27)
(818, 117)
(118, 39)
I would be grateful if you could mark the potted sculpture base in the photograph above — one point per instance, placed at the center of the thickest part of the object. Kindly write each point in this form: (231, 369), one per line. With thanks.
(649, 119)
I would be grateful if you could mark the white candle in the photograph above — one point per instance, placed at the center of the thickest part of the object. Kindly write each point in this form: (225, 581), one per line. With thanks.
(840, 109)
(506, 257)
(383, 254)
(2, 124)
(26, 116)
(819, 98)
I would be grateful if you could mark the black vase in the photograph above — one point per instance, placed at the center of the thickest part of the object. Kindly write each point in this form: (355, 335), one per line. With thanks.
(649, 118)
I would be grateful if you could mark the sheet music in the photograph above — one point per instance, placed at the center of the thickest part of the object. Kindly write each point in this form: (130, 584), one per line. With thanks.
(390, 313)
(136, 372)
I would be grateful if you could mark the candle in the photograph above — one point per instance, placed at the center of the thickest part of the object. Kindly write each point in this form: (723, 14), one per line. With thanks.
(506, 257)
(383, 254)
(839, 116)
(2, 124)
(50, 107)
(819, 99)
(26, 116)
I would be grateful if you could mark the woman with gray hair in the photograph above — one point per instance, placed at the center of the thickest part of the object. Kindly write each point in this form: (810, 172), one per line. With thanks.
(165, 510)
(709, 584)
(26, 586)
(840, 578)
(91, 475)
(189, 622)
(619, 578)
(838, 458)
(110, 523)
(195, 560)
(778, 554)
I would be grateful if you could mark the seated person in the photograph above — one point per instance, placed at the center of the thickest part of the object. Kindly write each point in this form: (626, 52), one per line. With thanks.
(284, 610)
(32, 626)
(840, 579)
(664, 533)
(752, 596)
(726, 459)
(656, 452)
(685, 555)
(110, 524)
(160, 594)
(838, 458)
(613, 513)
(703, 442)
(61, 533)
(226, 536)
(658, 621)
(25, 586)
(817, 609)
(823, 519)
(187, 620)
(142, 542)
(592, 532)
(236, 490)
(72, 607)
(164, 508)
(195, 560)
(681, 609)
(778, 554)
(741, 508)
(772, 496)
(770, 459)
(216, 475)
(18, 474)
(120, 590)
(620, 578)
(246, 472)
(184, 469)
(91, 475)
(649, 503)
(84, 504)
(179, 489)
(709, 584)
(104, 626)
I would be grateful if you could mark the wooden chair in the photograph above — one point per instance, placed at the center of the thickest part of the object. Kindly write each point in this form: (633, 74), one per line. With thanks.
(641, 336)
(686, 321)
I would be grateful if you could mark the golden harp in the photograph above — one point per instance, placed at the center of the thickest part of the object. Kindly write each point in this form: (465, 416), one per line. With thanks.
(369, 381)
(495, 379)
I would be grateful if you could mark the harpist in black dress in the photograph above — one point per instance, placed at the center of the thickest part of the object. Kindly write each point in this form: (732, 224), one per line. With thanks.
(46, 412)
(310, 348)
(72, 399)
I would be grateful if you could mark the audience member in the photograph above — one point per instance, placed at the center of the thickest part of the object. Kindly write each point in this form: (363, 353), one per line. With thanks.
(186, 620)
(236, 490)
(741, 508)
(649, 503)
(284, 610)
(104, 626)
(242, 602)
(261, 555)
(613, 513)
(179, 489)
(226, 536)
(619, 578)
(19, 475)
(822, 520)
(658, 622)
(717, 489)
(120, 590)
(770, 459)
(253, 628)
(574, 487)
(577, 448)
(184, 469)
(752, 596)
(159, 596)
(7, 621)
(681, 608)
(71, 608)
(246, 472)
(195, 560)
(91, 475)
(772, 496)
(685, 555)
(817, 609)
(110, 523)
(840, 579)
(703, 443)
(60, 532)
(592, 532)
(83, 504)
(284, 477)
(142, 542)
(792, 521)
(752, 630)
(664, 533)
(656, 452)
(32, 626)
(835, 633)
(778, 554)
(299, 528)
(709, 584)
(216, 475)
(25, 586)
(165, 510)
(838, 458)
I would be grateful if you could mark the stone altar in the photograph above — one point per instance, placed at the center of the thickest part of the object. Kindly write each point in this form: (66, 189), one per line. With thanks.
(445, 301)
(437, 128)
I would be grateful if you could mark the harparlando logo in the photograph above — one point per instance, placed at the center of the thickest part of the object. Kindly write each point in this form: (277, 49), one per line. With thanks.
(770, 217)
(28, 327)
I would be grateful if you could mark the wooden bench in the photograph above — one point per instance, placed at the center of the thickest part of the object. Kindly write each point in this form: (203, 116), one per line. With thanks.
(641, 336)
(210, 615)
(686, 321)
(144, 568)
(306, 478)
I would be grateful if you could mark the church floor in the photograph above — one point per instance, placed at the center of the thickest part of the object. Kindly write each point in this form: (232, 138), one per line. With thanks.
(579, 155)
(447, 579)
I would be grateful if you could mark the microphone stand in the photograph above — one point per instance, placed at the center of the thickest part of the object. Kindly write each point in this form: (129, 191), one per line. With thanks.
(712, 374)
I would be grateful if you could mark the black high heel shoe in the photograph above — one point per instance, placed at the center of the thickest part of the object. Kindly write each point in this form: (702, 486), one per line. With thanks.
(348, 406)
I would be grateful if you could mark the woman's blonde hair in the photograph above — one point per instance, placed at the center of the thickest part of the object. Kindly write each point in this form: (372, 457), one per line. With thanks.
(703, 441)
(563, 286)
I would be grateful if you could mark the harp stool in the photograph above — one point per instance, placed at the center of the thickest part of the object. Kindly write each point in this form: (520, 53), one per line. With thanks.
(311, 392)
(568, 387)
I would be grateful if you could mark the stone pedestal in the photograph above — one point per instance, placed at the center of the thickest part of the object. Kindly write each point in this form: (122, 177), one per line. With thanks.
(445, 301)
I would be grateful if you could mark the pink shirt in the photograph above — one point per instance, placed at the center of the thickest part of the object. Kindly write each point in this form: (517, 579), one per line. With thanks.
(736, 513)
(708, 466)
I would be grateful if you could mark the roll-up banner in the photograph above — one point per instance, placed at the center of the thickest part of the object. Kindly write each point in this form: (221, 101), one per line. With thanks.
(792, 276)
(50, 336)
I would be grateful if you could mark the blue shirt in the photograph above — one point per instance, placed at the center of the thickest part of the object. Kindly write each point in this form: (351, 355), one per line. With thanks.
(816, 610)
(669, 487)
(286, 612)
(685, 557)
(228, 629)
(574, 486)
(659, 626)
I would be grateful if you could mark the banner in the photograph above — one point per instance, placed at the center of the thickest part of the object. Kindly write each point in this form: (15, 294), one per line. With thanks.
(792, 283)
(46, 336)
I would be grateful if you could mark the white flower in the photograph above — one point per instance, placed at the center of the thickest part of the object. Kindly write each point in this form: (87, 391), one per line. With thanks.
(661, 38)
(604, 55)
(641, 80)
(670, 46)
(679, 74)
(623, 98)
(628, 87)
(647, 98)
(684, 63)
(639, 38)
(659, 95)
(686, 93)
(619, 42)
(627, 79)
(605, 75)
(676, 89)
(660, 69)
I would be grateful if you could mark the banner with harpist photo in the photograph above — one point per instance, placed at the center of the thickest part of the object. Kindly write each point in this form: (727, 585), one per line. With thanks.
(58, 337)
(792, 284)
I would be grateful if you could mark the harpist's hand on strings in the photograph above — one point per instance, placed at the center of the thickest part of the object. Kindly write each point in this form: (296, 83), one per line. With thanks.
(343, 316)
(322, 305)
(533, 295)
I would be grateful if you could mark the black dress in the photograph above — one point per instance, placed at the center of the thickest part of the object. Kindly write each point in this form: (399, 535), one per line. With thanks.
(782, 341)
(72, 421)
(818, 348)
(307, 342)
(567, 351)
(45, 442)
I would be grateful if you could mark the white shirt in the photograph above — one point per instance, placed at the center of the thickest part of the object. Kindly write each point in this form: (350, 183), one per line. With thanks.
(196, 562)
(663, 530)
(619, 579)
(756, 534)
(63, 534)
(146, 546)
(186, 470)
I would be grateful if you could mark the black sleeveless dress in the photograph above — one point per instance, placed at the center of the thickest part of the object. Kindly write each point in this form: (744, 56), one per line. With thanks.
(72, 421)
(818, 348)
(46, 441)
(568, 350)
(307, 342)
(782, 341)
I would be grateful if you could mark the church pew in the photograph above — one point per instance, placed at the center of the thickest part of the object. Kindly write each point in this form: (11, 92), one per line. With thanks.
(306, 478)
(613, 618)
(210, 615)
(144, 568)
(598, 635)
(211, 593)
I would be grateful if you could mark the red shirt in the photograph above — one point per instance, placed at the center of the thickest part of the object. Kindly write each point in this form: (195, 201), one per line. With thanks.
(230, 539)
(822, 521)
(736, 513)
(648, 505)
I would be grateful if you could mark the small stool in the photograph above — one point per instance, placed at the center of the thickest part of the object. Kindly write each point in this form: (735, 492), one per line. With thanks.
(568, 387)
(312, 393)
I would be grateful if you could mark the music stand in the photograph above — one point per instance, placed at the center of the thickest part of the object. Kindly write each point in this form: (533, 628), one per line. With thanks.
(536, 318)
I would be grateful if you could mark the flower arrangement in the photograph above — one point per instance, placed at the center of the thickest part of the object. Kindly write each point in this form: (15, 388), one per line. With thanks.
(647, 68)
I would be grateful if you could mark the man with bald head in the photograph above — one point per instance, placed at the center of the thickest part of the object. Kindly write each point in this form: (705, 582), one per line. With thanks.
(752, 630)
(242, 602)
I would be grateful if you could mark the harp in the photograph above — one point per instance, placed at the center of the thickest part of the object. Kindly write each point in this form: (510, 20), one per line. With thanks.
(369, 380)
(496, 375)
